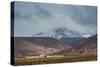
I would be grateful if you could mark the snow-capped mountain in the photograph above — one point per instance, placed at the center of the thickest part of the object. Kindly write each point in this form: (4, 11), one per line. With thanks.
(59, 33)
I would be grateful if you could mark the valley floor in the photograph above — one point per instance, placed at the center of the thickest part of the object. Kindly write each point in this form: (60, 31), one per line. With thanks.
(49, 60)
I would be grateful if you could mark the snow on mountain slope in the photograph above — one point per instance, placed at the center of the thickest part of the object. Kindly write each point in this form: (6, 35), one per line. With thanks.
(86, 35)
(59, 33)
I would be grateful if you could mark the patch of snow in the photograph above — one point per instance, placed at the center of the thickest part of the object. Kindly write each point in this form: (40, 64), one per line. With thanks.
(86, 35)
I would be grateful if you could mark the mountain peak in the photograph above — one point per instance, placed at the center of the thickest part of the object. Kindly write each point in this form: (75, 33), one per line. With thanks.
(58, 33)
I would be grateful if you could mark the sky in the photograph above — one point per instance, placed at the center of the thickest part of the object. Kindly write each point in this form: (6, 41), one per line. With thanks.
(32, 18)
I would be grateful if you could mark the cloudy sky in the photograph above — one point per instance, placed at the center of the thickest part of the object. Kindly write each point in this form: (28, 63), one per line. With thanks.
(33, 18)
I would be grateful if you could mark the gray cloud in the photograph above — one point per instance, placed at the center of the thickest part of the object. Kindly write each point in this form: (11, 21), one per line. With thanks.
(32, 18)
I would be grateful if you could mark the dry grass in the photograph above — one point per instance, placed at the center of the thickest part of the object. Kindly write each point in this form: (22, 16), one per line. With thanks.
(23, 61)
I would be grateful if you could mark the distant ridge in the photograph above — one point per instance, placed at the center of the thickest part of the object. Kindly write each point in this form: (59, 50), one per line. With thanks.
(87, 47)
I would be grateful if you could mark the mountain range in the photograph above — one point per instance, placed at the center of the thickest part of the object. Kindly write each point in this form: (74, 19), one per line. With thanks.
(87, 47)
(61, 32)
(50, 46)
(37, 45)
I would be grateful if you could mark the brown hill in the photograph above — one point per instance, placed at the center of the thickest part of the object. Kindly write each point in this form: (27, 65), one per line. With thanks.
(87, 47)
(36, 45)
